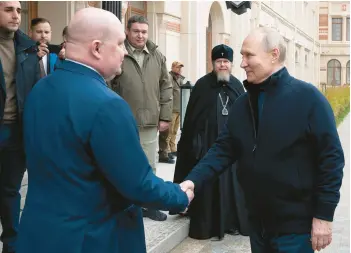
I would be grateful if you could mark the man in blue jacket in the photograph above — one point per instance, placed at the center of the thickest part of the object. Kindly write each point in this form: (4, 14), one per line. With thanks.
(282, 134)
(88, 174)
(19, 71)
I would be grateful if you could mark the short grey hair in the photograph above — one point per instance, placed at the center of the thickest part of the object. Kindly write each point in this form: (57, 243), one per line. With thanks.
(136, 19)
(272, 39)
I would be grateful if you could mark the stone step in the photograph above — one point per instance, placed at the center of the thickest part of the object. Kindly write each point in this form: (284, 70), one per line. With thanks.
(230, 244)
(163, 236)
(191, 246)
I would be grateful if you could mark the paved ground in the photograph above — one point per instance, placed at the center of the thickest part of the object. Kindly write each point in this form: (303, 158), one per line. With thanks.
(240, 244)
(341, 235)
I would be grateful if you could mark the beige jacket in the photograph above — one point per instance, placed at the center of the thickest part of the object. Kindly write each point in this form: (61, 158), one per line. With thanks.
(177, 81)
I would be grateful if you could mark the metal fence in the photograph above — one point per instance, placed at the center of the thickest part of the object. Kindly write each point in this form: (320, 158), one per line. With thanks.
(113, 6)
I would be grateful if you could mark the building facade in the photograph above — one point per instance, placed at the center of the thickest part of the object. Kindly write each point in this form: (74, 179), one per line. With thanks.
(188, 30)
(334, 36)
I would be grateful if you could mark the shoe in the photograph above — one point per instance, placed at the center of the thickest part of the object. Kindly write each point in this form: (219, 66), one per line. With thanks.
(154, 215)
(6, 251)
(171, 156)
(181, 214)
(233, 231)
(166, 160)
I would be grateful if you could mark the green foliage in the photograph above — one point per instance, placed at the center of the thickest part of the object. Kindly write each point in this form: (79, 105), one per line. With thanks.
(339, 99)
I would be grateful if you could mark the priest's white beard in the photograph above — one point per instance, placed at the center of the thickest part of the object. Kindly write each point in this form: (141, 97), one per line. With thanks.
(223, 76)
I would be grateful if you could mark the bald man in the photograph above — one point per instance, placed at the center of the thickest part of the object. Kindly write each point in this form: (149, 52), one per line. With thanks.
(88, 173)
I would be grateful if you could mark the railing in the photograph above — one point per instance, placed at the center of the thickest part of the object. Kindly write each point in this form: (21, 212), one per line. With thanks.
(185, 91)
(113, 6)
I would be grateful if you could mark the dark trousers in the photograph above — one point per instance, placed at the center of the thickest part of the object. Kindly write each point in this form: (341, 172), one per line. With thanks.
(262, 242)
(12, 168)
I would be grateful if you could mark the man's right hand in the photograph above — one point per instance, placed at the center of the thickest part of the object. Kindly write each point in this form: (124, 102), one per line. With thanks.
(43, 50)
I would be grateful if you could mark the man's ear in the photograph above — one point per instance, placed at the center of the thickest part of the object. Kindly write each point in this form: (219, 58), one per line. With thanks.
(30, 33)
(96, 48)
(275, 54)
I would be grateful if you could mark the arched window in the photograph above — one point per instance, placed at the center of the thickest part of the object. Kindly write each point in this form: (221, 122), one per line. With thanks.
(348, 73)
(334, 72)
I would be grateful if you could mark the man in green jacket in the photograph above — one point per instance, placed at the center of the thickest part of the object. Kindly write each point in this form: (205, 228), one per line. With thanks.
(146, 86)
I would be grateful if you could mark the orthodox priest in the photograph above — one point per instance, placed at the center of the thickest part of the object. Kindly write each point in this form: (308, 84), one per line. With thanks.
(219, 208)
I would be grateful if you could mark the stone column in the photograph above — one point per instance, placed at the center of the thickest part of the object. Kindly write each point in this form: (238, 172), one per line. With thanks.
(161, 32)
(330, 30)
(344, 29)
(78, 5)
(343, 74)
(124, 11)
(291, 57)
(191, 43)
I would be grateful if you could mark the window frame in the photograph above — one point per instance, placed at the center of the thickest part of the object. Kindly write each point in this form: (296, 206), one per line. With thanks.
(131, 11)
(332, 28)
(29, 11)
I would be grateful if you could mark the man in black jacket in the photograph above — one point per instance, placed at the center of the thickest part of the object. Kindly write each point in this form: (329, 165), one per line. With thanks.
(19, 71)
(219, 207)
(282, 134)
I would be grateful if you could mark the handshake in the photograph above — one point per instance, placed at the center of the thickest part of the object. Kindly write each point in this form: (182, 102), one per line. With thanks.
(188, 187)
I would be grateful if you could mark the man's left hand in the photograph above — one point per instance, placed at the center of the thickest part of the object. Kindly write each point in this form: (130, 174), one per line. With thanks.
(187, 185)
(163, 126)
(321, 234)
(43, 50)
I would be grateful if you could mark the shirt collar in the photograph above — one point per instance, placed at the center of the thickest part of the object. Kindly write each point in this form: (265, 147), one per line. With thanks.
(66, 59)
(133, 48)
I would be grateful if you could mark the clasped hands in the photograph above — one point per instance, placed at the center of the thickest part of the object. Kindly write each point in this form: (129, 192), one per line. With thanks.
(188, 187)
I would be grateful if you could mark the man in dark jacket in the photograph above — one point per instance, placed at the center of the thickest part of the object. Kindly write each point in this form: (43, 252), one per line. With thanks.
(19, 71)
(282, 134)
(215, 210)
